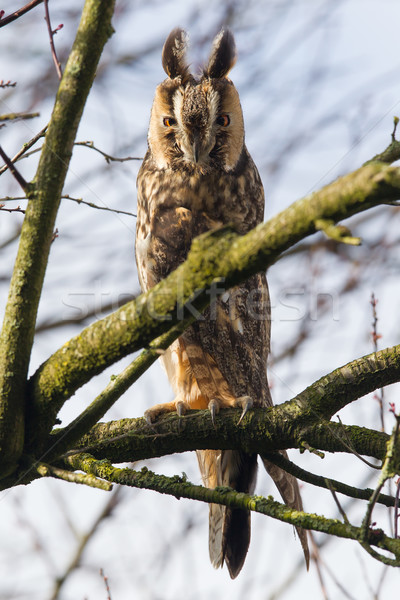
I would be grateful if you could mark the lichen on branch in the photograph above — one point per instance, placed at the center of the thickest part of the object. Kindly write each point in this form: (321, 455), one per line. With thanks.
(220, 256)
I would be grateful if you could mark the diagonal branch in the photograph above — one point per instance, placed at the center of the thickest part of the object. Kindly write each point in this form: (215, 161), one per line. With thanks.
(220, 256)
(18, 13)
(326, 482)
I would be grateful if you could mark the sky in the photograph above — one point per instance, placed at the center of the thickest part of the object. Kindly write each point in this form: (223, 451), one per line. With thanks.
(319, 86)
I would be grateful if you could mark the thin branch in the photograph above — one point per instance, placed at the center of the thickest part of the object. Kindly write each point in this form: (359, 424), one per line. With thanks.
(396, 509)
(14, 170)
(17, 116)
(392, 153)
(46, 470)
(375, 337)
(108, 157)
(24, 148)
(10, 210)
(51, 37)
(7, 84)
(105, 579)
(325, 482)
(339, 506)
(75, 562)
(114, 210)
(18, 13)
(348, 445)
(77, 200)
(388, 470)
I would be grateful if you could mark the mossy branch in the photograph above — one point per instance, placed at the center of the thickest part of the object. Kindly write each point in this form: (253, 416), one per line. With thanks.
(260, 432)
(302, 421)
(36, 235)
(221, 256)
(45, 470)
(180, 488)
(305, 418)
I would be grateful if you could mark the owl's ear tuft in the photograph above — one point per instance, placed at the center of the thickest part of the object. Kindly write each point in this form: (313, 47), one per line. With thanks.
(174, 54)
(223, 55)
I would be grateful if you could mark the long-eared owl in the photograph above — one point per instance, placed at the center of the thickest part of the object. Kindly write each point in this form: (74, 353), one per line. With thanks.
(197, 175)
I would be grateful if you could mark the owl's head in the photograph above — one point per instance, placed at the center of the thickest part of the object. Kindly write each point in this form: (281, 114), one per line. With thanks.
(196, 124)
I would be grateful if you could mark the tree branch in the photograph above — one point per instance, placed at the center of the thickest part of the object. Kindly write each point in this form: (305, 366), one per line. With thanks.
(219, 256)
(51, 38)
(36, 235)
(14, 170)
(18, 13)
(180, 488)
(326, 482)
(24, 148)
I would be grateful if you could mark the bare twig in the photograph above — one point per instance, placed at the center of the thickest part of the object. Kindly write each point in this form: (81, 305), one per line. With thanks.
(75, 562)
(10, 210)
(396, 509)
(375, 337)
(395, 123)
(114, 210)
(18, 13)
(324, 482)
(7, 84)
(46, 470)
(16, 116)
(51, 37)
(339, 506)
(349, 447)
(105, 579)
(13, 170)
(319, 562)
(24, 148)
(108, 157)
(367, 534)
(67, 197)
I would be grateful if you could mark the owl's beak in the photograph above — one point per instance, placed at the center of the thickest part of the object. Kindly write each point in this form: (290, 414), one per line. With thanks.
(196, 145)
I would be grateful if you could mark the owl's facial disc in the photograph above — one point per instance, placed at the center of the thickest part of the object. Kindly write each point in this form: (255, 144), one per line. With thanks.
(196, 126)
(195, 110)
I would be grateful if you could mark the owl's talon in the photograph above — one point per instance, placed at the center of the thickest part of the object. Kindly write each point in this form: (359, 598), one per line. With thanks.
(181, 408)
(246, 403)
(150, 418)
(213, 407)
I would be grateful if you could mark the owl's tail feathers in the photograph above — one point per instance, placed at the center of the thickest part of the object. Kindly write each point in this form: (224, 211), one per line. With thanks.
(229, 537)
(289, 490)
(229, 529)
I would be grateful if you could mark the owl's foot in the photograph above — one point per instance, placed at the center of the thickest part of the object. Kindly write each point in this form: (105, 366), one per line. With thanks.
(243, 402)
(178, 405)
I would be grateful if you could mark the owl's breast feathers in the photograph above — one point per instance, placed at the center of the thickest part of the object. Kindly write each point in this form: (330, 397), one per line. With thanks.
(174, 206)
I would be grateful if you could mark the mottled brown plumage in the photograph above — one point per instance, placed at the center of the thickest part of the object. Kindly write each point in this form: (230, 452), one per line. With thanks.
(197, 175)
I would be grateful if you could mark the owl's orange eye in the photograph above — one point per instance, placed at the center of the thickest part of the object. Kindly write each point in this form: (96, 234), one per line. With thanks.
(169, 121)
(223, 120)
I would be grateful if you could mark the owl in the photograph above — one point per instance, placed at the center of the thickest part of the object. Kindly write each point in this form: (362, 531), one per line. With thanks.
(197, 175)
